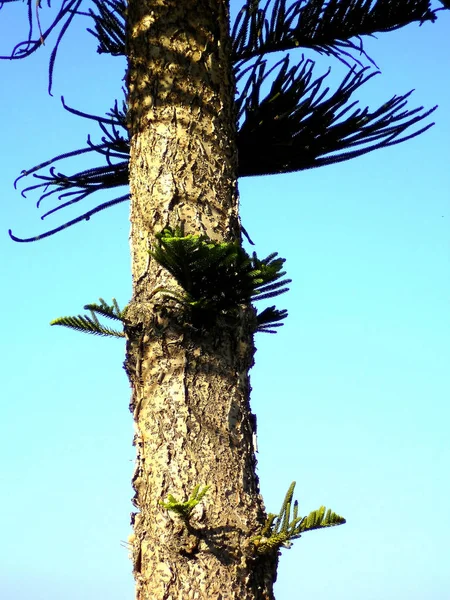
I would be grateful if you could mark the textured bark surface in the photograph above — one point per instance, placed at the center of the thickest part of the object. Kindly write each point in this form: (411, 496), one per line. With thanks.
(183, 159)
(190, 387)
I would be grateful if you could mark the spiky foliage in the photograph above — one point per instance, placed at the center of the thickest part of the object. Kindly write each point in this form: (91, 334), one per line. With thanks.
(269, 319)
(184, 508)
(299, 124)
(217, 277)
(109, 26)
(214, 278)
(71, 189)
(36, 38)
(326, 26)
(272, 26)
(91, 324)
(281, 529)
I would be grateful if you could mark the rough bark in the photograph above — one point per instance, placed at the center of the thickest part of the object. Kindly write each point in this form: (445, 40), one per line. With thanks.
(190, 386)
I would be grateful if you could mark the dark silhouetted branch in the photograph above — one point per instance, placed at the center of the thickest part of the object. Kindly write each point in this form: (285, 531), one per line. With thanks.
(84, 217)
(326, 26)
(299, 124)
(109, 26)
(36, 37)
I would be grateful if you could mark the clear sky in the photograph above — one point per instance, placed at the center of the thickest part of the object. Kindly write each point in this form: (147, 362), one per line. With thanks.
(352, 395)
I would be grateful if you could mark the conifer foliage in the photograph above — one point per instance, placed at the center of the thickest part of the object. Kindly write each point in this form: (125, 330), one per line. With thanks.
(287, 119)
(282, 528)
(214, 278)
(299, 123)
(326, 26)
(218, 277)
(90, 323)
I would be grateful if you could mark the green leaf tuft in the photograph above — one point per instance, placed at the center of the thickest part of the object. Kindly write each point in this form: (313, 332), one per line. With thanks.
(217, 277)
(184, 508)
(91, 324)
(279, 530)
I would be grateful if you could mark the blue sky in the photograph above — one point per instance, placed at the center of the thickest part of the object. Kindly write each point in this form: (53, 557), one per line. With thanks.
(352, 396)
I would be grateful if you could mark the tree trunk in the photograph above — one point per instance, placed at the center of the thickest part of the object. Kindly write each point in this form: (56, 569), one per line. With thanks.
(190, 387)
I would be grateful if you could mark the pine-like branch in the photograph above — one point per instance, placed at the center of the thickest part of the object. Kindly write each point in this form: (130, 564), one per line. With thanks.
(326, 26)
(86, 324)
(297, 125)
(114, 146)
(281, 529)
(83, 217)
(269, 319)
(219, 277)
(37, 37)
(90, 323)
(109, 26)
(300, 125)
(75, 187)
(274, 25)
(110, 311)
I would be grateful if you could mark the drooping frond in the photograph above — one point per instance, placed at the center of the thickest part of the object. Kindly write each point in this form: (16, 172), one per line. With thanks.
(83, 217)
(326, 26)
(300, 124)
(114, 147)
(109, 26)
(72, 188)
(116, 117)
(281, 529)
(91, 324)
(37, 36)
(217, 277)
(88, 182)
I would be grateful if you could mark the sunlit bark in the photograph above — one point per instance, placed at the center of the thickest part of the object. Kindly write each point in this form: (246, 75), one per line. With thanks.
(190, 386)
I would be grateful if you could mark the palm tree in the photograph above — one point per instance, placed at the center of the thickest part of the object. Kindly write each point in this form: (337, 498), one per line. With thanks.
(205, 106)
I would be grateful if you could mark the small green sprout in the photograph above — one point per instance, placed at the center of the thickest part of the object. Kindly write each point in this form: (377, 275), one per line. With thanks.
(184, 509)
(279, 530)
